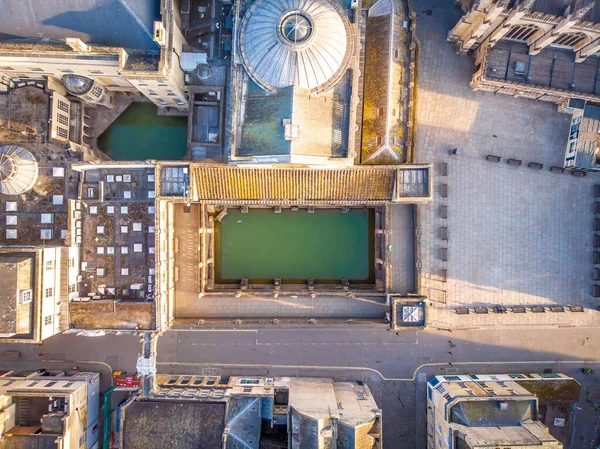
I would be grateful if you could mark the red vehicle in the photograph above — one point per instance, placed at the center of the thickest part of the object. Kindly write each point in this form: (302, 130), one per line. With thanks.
(127, 382)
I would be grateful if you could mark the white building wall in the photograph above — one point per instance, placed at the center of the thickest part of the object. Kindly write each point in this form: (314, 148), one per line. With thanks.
(51, 292)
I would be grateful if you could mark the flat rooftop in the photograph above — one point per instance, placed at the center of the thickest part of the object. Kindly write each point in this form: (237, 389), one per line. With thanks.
(154, 424)
(118, 233)
(126, 23)
(115, 228)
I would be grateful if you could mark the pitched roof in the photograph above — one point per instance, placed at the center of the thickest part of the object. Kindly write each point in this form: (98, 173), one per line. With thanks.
(231, 184)
(115, 23)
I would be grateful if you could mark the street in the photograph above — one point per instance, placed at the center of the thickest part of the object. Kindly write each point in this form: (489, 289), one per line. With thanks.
(395, 367)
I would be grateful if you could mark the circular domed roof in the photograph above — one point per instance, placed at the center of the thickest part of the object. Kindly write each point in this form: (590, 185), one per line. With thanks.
(18, 170)
(77, 84)
(306, 43)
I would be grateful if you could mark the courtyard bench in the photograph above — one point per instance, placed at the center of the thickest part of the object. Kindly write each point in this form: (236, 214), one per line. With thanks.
(444, 273)
(596, 257)
(492, 158)
(578, 173)
(596, 240)
(557, 309)
(596, 291)
(555, 169)
(597, 207)
(538, 309)
(481, 310)
(444, 254)
(535, 165)
(518, 309)
(444, 212)
(444, 190)
(444, 233)
(444, 169)
(462, 311)
(515, 162)
(576, 308)
(597, 190)
(596, 224)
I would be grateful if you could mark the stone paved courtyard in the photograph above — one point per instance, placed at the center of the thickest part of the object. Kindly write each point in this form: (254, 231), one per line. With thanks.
(515, 236)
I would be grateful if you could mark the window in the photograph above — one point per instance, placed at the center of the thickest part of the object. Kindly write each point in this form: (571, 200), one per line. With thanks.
(249, 382)
(46, 234)
(72, 288)
(62, 132)
(62, 106)
(65, 70)
(62, 119)
(396, 53)
(25, 296)
(49, 265)
(36, 69)
(47, 320)
(49, 292)
(151, 92)
(380, 112)
(96, 91)
(71, 263)
(96, 72)
(162, 83)
(170, 93)
(6, 68)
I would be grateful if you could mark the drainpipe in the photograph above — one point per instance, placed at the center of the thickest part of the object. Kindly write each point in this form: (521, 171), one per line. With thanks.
(106, 412)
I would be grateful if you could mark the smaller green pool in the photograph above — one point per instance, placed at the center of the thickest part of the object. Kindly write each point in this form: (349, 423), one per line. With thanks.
(139, 134)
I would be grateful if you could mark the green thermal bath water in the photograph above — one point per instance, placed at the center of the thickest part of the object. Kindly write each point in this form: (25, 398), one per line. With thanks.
(140, 134)
(294, 245)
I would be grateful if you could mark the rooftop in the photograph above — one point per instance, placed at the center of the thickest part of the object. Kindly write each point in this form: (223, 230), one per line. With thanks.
(18, 273)
(38, 216)
(123, 23)
(529, 433)
(318, 126)
(118, 233)
(498, 412)
(310, 48)
(115, 226)
(385, 84)
(153, 424)
(309, 185)
(551, 68)
(559, 7)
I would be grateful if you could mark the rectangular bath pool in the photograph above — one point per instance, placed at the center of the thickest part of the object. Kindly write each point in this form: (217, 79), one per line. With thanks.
(326, 245)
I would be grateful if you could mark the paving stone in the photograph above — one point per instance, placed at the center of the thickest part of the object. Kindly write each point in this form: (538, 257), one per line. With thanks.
(516, 236)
